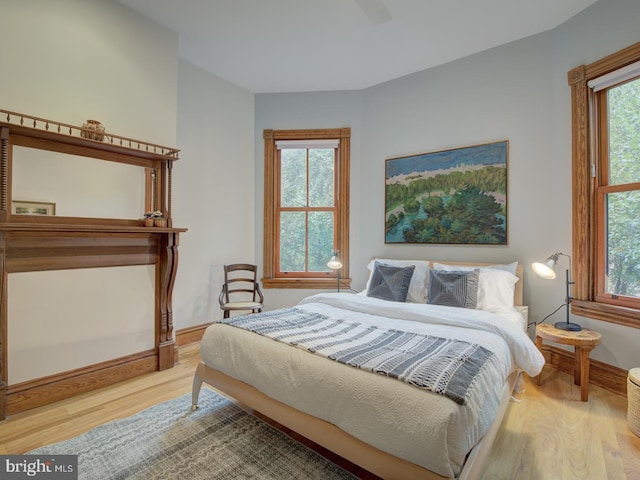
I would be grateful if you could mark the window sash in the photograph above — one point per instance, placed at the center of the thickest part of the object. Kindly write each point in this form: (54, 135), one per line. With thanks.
(307, 209)
(602, 189)
(308, 144)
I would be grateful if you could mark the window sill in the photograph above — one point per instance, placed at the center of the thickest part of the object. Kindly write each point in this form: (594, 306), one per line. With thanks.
(628, 317)
(309, 283)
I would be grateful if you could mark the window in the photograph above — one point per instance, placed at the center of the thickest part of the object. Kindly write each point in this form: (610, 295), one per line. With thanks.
(606, 187)
(306, 207)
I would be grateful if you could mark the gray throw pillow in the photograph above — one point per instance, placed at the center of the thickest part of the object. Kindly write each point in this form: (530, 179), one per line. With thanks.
(390, 283)
(453, 288)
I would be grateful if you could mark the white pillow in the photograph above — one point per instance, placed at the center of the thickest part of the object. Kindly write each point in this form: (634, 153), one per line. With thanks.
(419, 281)
(496, 289)
(496, 286)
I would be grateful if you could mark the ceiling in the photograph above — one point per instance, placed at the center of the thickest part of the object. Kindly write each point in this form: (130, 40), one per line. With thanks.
(313, 45)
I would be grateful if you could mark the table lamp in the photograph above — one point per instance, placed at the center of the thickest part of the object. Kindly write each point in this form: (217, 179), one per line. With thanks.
(335, 264)
(547, 269)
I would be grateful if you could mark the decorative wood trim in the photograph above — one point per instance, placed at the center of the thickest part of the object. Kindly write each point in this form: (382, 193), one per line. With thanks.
(344, 172)
(166, 269)
(308, 283)
(189, 335)
(629, 317)
(612, 62)
(270, 202)
(607, 376)
(42, 391)
(29, 251)
(4, 373)
(583, 186)
(36, 127)
(4, 171)
(149, 189)
(49, 144)
(576, 75)
(33, 243)
(270, 253)
(169, 192)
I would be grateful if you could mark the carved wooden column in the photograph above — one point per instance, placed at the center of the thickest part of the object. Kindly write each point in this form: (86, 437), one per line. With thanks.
(3, 326)
(4, 173)
(167, 274)
(4, 176)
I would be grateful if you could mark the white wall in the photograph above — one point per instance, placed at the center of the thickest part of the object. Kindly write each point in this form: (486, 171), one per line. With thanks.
(62, 320)
(71, 60)
(517, 92)
(213, 182)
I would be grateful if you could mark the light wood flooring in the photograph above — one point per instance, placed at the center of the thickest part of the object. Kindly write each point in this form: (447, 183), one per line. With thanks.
(550, 434)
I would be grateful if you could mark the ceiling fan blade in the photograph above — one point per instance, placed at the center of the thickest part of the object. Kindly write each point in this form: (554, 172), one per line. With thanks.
(375, 10)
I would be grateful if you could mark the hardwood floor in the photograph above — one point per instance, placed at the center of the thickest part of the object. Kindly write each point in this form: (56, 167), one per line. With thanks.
(551, 434)
(548, 434)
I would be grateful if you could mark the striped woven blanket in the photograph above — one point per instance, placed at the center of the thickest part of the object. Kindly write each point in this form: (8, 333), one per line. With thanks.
(444, 366)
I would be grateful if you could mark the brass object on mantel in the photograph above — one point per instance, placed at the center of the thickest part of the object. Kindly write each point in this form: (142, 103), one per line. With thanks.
(93, 130)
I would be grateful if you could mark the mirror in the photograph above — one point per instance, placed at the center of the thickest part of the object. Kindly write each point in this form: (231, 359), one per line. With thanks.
(77, 186)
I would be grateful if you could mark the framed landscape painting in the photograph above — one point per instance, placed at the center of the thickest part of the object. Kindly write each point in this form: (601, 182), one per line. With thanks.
(456, 196)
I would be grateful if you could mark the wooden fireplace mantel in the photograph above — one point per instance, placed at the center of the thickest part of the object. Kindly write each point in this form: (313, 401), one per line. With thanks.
(31, 243)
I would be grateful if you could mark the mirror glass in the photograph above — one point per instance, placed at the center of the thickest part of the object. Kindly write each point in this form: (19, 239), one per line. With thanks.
(73, 186)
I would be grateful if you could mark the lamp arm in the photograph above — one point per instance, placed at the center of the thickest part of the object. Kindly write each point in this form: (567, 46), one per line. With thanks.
(568, 297)
(555, 256)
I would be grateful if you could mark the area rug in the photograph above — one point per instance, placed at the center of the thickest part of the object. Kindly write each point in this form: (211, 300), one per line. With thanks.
(169, 441)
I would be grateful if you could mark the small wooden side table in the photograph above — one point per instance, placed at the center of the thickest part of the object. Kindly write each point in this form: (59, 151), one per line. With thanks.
(584, 341)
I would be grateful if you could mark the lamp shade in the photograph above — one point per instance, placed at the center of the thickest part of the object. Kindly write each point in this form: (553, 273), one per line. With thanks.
(335, 263)
(546, 269)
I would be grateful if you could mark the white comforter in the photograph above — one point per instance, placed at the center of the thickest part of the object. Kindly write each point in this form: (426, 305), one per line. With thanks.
(420, 426)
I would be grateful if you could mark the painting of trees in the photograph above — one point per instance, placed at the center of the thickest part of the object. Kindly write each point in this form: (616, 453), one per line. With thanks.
(452, 197)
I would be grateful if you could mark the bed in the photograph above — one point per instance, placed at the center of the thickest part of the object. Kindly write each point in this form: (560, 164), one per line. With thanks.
(397, 413)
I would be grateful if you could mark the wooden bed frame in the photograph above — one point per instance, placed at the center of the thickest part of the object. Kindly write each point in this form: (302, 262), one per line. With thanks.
(383, 464)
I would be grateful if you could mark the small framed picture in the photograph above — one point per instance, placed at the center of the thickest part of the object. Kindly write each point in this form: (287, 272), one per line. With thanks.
(21, 207)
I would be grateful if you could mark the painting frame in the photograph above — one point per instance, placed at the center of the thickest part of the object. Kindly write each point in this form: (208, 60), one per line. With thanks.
(457, 196)
(28, 207)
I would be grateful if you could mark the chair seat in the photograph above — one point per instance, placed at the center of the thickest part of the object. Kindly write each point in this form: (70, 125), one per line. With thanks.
(242, 305)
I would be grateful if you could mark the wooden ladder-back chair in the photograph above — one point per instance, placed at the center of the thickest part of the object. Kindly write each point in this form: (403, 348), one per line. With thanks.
(241, 290)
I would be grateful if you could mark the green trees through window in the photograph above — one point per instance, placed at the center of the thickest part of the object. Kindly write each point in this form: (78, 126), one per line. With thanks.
(621, 190)
(307, 209)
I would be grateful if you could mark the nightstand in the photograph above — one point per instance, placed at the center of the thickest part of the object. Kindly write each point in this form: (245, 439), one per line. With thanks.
(584, 341)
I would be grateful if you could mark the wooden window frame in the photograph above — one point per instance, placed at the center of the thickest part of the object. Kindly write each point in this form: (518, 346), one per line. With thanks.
(271, 195)
(586, 303)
